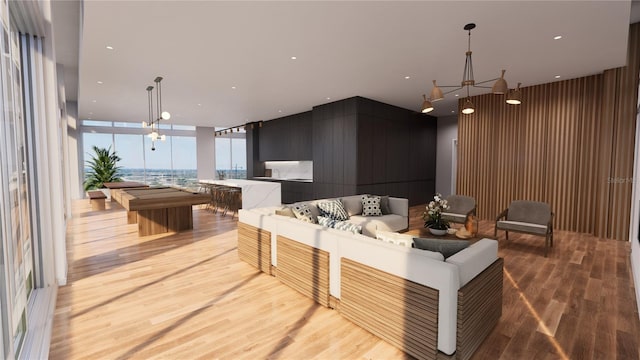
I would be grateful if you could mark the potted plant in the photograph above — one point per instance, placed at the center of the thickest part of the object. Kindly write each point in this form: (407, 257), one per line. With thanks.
(103, 168)
(433, 216)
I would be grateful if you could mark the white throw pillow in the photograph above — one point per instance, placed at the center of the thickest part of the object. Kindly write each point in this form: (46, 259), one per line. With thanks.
(302, 212)
(371, 206)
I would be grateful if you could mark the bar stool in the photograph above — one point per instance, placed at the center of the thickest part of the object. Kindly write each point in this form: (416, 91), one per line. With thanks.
(230, 201)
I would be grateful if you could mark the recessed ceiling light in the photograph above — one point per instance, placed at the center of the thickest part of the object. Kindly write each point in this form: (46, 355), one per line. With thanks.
(293, 58)
(328, 98)
(557, 76)
(453, 111)
(199, 104)
(94, 100)
(90, 113)
(109, 47)
(407, 77)
(99, 82)
(279, 111)
(233, 87)
(456, 95)
(558, 37)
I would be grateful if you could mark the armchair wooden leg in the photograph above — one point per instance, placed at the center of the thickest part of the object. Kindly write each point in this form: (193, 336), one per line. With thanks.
(495, 232)
(506, 235)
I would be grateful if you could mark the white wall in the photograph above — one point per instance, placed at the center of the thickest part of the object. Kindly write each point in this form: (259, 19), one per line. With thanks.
(635, 217)
(74, 148)
(206, 152)
(447, 132)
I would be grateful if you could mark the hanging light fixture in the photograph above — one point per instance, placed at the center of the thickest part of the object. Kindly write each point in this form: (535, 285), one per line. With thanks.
(499, 87)
(154, 123)
(515, 97)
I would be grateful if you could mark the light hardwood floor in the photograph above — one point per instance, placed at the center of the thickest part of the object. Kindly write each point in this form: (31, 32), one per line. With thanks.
(187, 296)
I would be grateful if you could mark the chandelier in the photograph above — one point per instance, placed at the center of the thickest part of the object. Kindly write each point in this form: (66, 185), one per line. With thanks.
(154, 123)
(499, 87)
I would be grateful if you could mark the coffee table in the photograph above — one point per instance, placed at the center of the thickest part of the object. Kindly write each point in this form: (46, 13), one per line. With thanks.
(424, 233)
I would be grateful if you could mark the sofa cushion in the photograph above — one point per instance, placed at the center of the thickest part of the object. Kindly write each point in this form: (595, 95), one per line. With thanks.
(395, 238)
(445, 247)
(371, 205)
(303, 212)
(334, 209)
(353, 204)
(285, 212)
(522, 227)
(370, 225)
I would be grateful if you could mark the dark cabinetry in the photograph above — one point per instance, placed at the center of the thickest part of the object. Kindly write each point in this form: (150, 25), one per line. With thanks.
(294, 191)
(358, 146)
(287, 138)
(364, 146)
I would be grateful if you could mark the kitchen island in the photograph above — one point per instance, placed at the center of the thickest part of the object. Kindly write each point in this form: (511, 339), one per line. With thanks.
(255, 194)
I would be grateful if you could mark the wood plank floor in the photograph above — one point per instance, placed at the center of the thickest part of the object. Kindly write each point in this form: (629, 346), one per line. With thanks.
(188, 296)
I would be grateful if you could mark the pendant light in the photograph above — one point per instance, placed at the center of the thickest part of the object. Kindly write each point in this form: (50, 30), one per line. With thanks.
(500, 86)
(154, 123)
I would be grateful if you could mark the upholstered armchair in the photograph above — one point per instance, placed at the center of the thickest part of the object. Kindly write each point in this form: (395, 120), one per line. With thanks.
(529, 217)
(460, 207)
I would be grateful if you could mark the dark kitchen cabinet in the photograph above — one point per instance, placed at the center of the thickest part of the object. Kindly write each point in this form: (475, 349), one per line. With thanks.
(286, 139)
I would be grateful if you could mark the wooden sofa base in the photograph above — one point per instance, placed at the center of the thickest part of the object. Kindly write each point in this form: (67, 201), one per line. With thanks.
(254, 247)
(479, 309)
(405, 313)
(304, 268)
(397, 310)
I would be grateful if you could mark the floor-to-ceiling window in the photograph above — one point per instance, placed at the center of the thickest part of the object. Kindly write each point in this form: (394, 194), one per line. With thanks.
(169, 162)
(17, 262)
(231, 154)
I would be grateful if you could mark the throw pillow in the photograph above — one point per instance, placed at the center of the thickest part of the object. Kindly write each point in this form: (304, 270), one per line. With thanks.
(371, 206)
(334, 209)
(285, 212)
(326, 221)
(445, 247)
(384, 205)
(302, 212)
(347, 226)
(395, 238)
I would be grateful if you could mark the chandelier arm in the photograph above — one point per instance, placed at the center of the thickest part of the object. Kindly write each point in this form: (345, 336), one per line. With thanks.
(454, 90)
(486, 81)
(484, 87)
(450, 86)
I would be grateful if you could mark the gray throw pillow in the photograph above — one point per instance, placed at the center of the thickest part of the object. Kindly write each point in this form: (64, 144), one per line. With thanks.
(445, 247)
(384, 205)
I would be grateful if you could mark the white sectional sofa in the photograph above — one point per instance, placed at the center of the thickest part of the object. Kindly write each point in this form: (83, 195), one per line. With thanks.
(414, 299)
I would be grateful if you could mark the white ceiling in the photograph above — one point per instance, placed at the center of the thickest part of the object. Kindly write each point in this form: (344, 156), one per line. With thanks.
(343, 49)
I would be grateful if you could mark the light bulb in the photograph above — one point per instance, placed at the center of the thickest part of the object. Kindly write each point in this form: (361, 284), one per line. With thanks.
(166, 115)
(144, 124)
(163, 137)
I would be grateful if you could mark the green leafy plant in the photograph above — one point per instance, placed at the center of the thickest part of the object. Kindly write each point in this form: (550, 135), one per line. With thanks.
(433, 216)
(103, 168)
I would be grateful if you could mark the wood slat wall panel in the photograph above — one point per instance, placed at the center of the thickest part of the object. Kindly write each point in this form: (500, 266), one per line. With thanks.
(563, 145)
(304, 268)
(254, 246)
(395, 309)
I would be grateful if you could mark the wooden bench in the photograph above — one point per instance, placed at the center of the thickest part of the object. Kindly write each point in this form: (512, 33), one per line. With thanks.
(96, 198)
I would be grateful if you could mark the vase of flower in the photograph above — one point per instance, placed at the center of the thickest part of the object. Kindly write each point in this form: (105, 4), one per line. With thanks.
(437, 232)
(433, 216)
